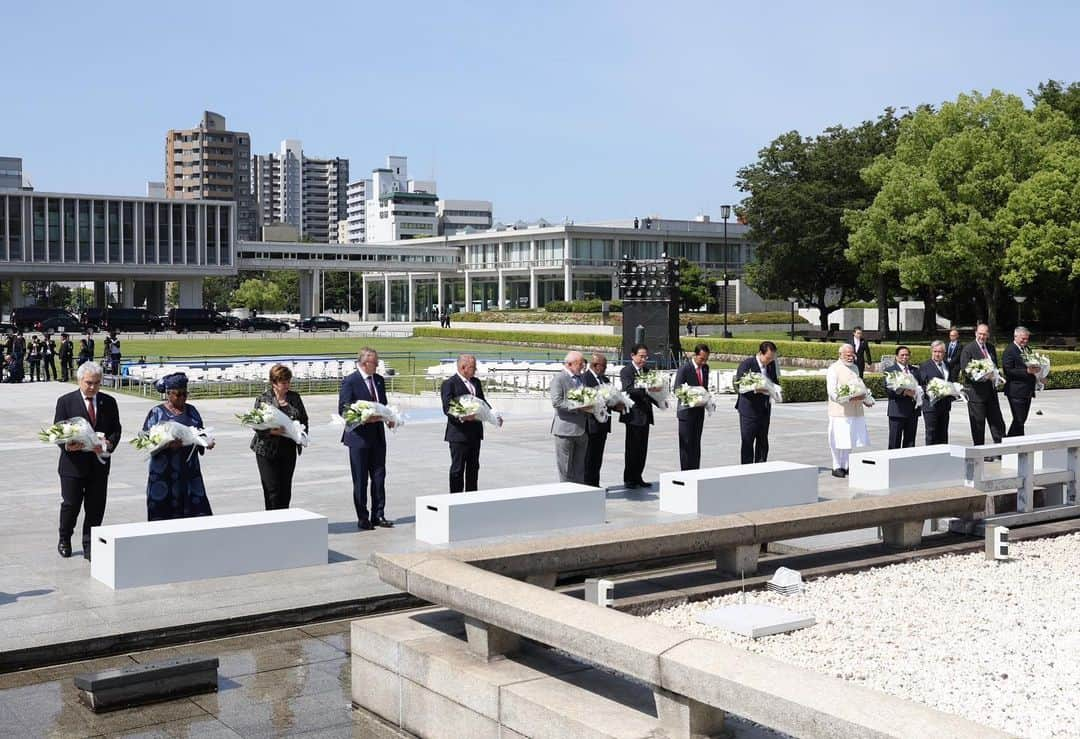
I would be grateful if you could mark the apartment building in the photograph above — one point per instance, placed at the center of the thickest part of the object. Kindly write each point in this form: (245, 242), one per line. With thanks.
(310, 193)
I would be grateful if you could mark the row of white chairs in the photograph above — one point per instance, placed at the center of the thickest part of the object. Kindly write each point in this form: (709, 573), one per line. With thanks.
(331, 369)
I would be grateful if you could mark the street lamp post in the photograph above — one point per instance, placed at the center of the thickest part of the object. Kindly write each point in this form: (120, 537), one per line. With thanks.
(1019, 304)
(899, 318)
(725, 213)
(794, 303)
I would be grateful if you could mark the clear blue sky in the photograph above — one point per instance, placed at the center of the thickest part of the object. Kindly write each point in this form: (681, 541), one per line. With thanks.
(587, 110)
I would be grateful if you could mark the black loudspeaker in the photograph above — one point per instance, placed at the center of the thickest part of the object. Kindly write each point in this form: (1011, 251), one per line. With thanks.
(649, 289)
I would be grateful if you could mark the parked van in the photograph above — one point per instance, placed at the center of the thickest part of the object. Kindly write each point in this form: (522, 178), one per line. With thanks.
(182, 320)
(130, 319)
(27, 319)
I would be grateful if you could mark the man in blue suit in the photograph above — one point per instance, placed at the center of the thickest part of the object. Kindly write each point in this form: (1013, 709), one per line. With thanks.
(366, 442)
(694, 373)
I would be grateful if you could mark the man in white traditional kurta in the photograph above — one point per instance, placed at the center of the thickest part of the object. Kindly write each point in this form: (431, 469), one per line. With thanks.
(847, 427)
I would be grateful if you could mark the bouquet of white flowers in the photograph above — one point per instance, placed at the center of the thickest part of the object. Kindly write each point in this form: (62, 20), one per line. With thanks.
(655, 384)
(266, 417)
(695, 396)
(845, 391)
(751, 382)
(937, 389)
(899, 381)
(586, 398)
(160, 435)
(1033, 358)
(366, 411)
(75, 430)
(464, 406)
(611, 396)
(983, 369)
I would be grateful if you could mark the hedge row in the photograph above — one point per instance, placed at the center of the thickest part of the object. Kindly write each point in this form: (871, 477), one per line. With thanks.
(535, 338)
(580, 306)
(811, 389)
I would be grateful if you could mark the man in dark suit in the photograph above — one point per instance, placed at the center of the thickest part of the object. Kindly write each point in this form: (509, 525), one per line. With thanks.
(463, 434)
(1019, 380)
(366, 442)
(862, 350)
(936, 416)
(84, 480)
(595, 432)
(637, 418)
(952, 354)
(903, 416)
(67, 358)
(982, 404)
(754, 407)
(694, 373)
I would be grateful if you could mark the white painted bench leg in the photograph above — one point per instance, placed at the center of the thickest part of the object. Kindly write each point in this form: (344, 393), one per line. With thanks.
(738, 560)
(683, 718)
(903, 535)
(489, 642)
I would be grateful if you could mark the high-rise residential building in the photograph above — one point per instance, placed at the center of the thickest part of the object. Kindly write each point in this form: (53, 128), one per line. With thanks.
(357, 211)
(11, 173)
(463, 216)
(309, 193)
(400, 208)
(211, 162)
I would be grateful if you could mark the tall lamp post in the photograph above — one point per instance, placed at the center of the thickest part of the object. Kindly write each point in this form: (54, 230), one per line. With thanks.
(899, 323)
(794, 304)
(725, 213)
(1019, 306)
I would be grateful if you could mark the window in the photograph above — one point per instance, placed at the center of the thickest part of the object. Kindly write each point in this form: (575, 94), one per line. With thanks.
(53, 209)
(15, 221)
(99, 230)
(191, 235)
(114, 231)
(127, 232)
(176, 253)
(150, 232)
(70, 232)
(85, 224)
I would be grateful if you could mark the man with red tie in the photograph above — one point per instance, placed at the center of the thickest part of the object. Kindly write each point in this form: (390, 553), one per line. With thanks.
(694, 373)
(84, 479)
(982, 395)
(903, 415)
(366, 442)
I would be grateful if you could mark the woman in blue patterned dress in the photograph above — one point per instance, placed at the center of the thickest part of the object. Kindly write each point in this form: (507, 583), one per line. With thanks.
(174, 488)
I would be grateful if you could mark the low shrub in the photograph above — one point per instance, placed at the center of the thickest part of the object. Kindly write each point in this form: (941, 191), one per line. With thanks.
(581, 306)
(525, 338)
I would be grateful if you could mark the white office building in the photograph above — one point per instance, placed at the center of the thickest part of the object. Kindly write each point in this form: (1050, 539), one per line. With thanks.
(464, 216)
(309, 193)
(400, 208)
(357, 212)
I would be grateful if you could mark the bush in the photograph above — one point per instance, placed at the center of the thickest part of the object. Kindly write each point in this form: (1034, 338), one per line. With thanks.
(525, 338)
(717, 319)
(580, 306)
(813, 390)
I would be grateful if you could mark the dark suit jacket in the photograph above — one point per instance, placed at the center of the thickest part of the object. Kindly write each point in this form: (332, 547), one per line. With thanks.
(1019, 383)
(755, 405)
(592, 426)
(862, 355)
(900, 405)
(687, 375)
(640, 413)
(367, 435)
(460, 431)
(979, 392)
(86, 464)
(954, 363)
(927, 372)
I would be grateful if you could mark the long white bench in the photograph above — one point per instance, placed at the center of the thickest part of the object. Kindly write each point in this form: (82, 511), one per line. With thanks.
(885, 469)
(155, 552)
(441, 519)
(714, 491)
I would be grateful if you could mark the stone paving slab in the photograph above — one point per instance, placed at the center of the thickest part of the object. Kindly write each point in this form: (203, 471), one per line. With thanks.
(46, 600)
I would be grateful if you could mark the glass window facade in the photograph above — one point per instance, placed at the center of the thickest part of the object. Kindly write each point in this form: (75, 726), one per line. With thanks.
(71, 231)
(114, 231)
(550, 250)
(98, 207)
(85, 254)
(127, 232)
(683, 250)
(594, 251)
(37, 230)
(641, 249)
(150, 232)
(52, 210)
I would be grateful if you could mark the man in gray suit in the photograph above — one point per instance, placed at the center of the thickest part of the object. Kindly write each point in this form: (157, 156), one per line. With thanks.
(568, 426)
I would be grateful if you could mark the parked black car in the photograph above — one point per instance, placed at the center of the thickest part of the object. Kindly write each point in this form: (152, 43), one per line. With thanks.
(92, 319)
(182, 320)
(58, 324)
(130, 319)
(322, 323)
(263, 324)
(28, 318)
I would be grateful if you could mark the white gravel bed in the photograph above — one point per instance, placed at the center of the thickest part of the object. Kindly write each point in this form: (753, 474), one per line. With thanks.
(998, 643)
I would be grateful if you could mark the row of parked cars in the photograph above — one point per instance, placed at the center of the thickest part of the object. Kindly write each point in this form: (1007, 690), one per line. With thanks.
(180, 320)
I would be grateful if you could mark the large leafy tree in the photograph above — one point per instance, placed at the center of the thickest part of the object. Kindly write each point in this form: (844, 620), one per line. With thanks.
(1061, 97)
(260, 294)
(695, 287)
(799, 189)
(937, 218)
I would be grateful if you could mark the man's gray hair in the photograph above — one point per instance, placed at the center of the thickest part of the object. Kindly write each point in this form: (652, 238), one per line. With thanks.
(1020, 331)
(937, 342)
(463, 359)
(573, 356)
(843, 346)
(89, 368)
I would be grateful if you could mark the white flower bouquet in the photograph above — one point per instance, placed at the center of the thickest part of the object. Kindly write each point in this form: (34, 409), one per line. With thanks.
(899, 382)
(75, 430)
(366, 411)
(1033, 358)
(695, 396)
(160, 435)
(612, 396)
(464, 406)
(937, 389)
(846, 391)
(266, 417)
(655, 384)
(980, 370)
(586, 398)
(751, 382)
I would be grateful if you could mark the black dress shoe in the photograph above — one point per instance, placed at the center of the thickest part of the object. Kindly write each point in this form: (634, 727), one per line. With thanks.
(86, 554)
(384, 523)
(837, 473)
(364, 525)
(64, 547)
(643, 484)
(630, 485)
(844, 470)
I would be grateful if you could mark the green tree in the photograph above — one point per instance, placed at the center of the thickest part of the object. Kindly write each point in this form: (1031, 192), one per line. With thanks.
(260, 294)
(936, 218)
(1061, 97)
(217, 291)
(695, 287)
(798, 191)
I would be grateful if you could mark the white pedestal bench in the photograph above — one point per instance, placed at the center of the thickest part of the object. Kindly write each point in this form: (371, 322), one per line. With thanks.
(133, 554)
(441, 519)
(714, 491)
(896, 468)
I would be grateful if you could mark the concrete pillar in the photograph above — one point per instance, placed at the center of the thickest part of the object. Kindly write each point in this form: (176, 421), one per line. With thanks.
(468, 292)
(307, 291)
(101, 295)
(153, 293)
(127, 293)
(614, 286)
(534, 297)
(739, 560)
(386, 296)
(438, 291)
(316, 292)
(568, 282)
(489, 642)
(364, 293)
(412, 298)
(502, 290)
(190, 292)
(684, 717)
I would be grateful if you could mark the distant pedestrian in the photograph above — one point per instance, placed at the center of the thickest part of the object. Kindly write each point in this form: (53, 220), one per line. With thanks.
(48, 357)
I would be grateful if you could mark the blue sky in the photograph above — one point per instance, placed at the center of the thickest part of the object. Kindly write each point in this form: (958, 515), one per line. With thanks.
(587, 110)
